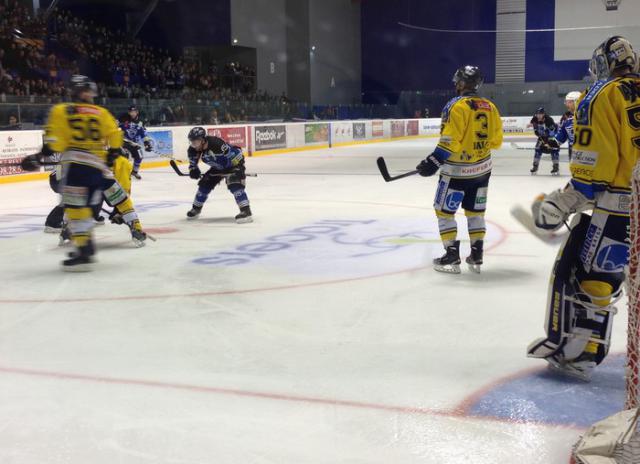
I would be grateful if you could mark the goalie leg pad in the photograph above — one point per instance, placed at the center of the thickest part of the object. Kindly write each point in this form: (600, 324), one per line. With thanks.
(580, 304)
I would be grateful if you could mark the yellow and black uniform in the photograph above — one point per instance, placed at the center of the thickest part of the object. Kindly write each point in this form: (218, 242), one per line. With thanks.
(589, 270)
(84, 133)
(471, 128)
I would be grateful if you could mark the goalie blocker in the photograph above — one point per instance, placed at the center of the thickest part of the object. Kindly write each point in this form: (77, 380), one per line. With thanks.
(585, 283)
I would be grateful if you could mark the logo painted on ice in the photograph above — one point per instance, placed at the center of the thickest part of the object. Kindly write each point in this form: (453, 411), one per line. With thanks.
(343, 248)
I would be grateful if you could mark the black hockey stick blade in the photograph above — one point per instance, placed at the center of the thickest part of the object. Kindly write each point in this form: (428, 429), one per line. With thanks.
(382, 166)
(175, 167)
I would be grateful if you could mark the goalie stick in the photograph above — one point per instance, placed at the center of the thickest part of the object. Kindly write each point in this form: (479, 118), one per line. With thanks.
(382, 166)
(177, 170)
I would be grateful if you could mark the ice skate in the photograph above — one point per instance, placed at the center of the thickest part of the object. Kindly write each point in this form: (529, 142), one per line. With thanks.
(474, 260)
(194, 212)
(244, 216)
(450, 261)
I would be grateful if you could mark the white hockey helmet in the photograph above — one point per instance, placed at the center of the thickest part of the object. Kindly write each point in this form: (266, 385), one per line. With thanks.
(572, 96)
(614, 53)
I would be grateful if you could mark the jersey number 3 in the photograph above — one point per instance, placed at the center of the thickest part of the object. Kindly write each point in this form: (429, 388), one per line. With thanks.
(483, 133)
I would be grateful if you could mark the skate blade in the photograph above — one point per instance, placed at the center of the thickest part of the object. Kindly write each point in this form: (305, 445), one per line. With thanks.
(569, 371)
(447, 268)
(52, 230)
(191, 218)
(244, 220)
(138, 243)
(77, 268)
(474, 267)
(534, 173)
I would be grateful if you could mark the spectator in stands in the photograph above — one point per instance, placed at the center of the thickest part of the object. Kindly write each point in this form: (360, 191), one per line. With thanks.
(13, 123)
(214, 119)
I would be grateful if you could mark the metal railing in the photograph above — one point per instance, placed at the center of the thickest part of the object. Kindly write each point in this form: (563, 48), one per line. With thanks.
(33, 112)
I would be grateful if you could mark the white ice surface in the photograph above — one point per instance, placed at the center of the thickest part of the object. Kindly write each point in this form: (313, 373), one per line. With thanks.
(320, 353)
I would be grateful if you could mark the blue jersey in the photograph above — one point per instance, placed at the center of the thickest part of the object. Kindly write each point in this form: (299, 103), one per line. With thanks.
(565, 131)
(134, 130)
(219, 155)
(544, 129)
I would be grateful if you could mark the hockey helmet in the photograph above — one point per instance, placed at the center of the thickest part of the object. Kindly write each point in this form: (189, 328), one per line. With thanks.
(614, 53)
(541, 110)
(197, 137)
(80, 84)
(572, 96)
(470, 76)
(197, 133)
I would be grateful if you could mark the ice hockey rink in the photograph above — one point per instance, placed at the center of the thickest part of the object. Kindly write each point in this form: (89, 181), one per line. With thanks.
(316, 334)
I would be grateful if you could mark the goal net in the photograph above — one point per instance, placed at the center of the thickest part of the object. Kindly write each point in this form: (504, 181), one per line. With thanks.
(616, 440)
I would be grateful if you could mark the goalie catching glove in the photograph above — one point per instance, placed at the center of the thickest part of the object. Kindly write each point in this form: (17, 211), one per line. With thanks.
(552, 210)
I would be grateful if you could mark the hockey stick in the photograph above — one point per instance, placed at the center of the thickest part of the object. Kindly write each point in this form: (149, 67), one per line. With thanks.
(382, 166)
(518, 147)
(177, 170)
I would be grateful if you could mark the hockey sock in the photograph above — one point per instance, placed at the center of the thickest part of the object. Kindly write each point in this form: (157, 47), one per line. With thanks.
(476, 225)
(240, 195)
(201, 196)
(447, 226)
(80, 225)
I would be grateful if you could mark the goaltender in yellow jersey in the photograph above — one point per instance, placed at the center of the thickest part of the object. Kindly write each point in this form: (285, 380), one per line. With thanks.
(471, 128)
(589, 270)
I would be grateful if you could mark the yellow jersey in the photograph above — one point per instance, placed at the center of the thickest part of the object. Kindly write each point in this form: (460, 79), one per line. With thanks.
(82, 127)
(607, 142)
(471, 128)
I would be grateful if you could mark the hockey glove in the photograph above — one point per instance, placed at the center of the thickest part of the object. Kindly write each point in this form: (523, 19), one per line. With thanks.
(194, 172)
(553, 143)
(30, 163)
(551, 211)
(147, 145)
(429, 166)
(112, 154)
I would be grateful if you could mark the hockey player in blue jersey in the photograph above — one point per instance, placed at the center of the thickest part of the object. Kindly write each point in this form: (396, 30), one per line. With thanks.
(135, 136)
(545, 128)
(226, 162)
(565, 130)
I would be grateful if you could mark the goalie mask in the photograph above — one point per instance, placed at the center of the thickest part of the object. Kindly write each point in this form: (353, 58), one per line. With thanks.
(614, 53)
(470, 76)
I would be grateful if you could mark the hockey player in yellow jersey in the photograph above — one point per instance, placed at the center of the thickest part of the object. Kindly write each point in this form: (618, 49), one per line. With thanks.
(471, 128)
(90, 141)
(589, 269)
